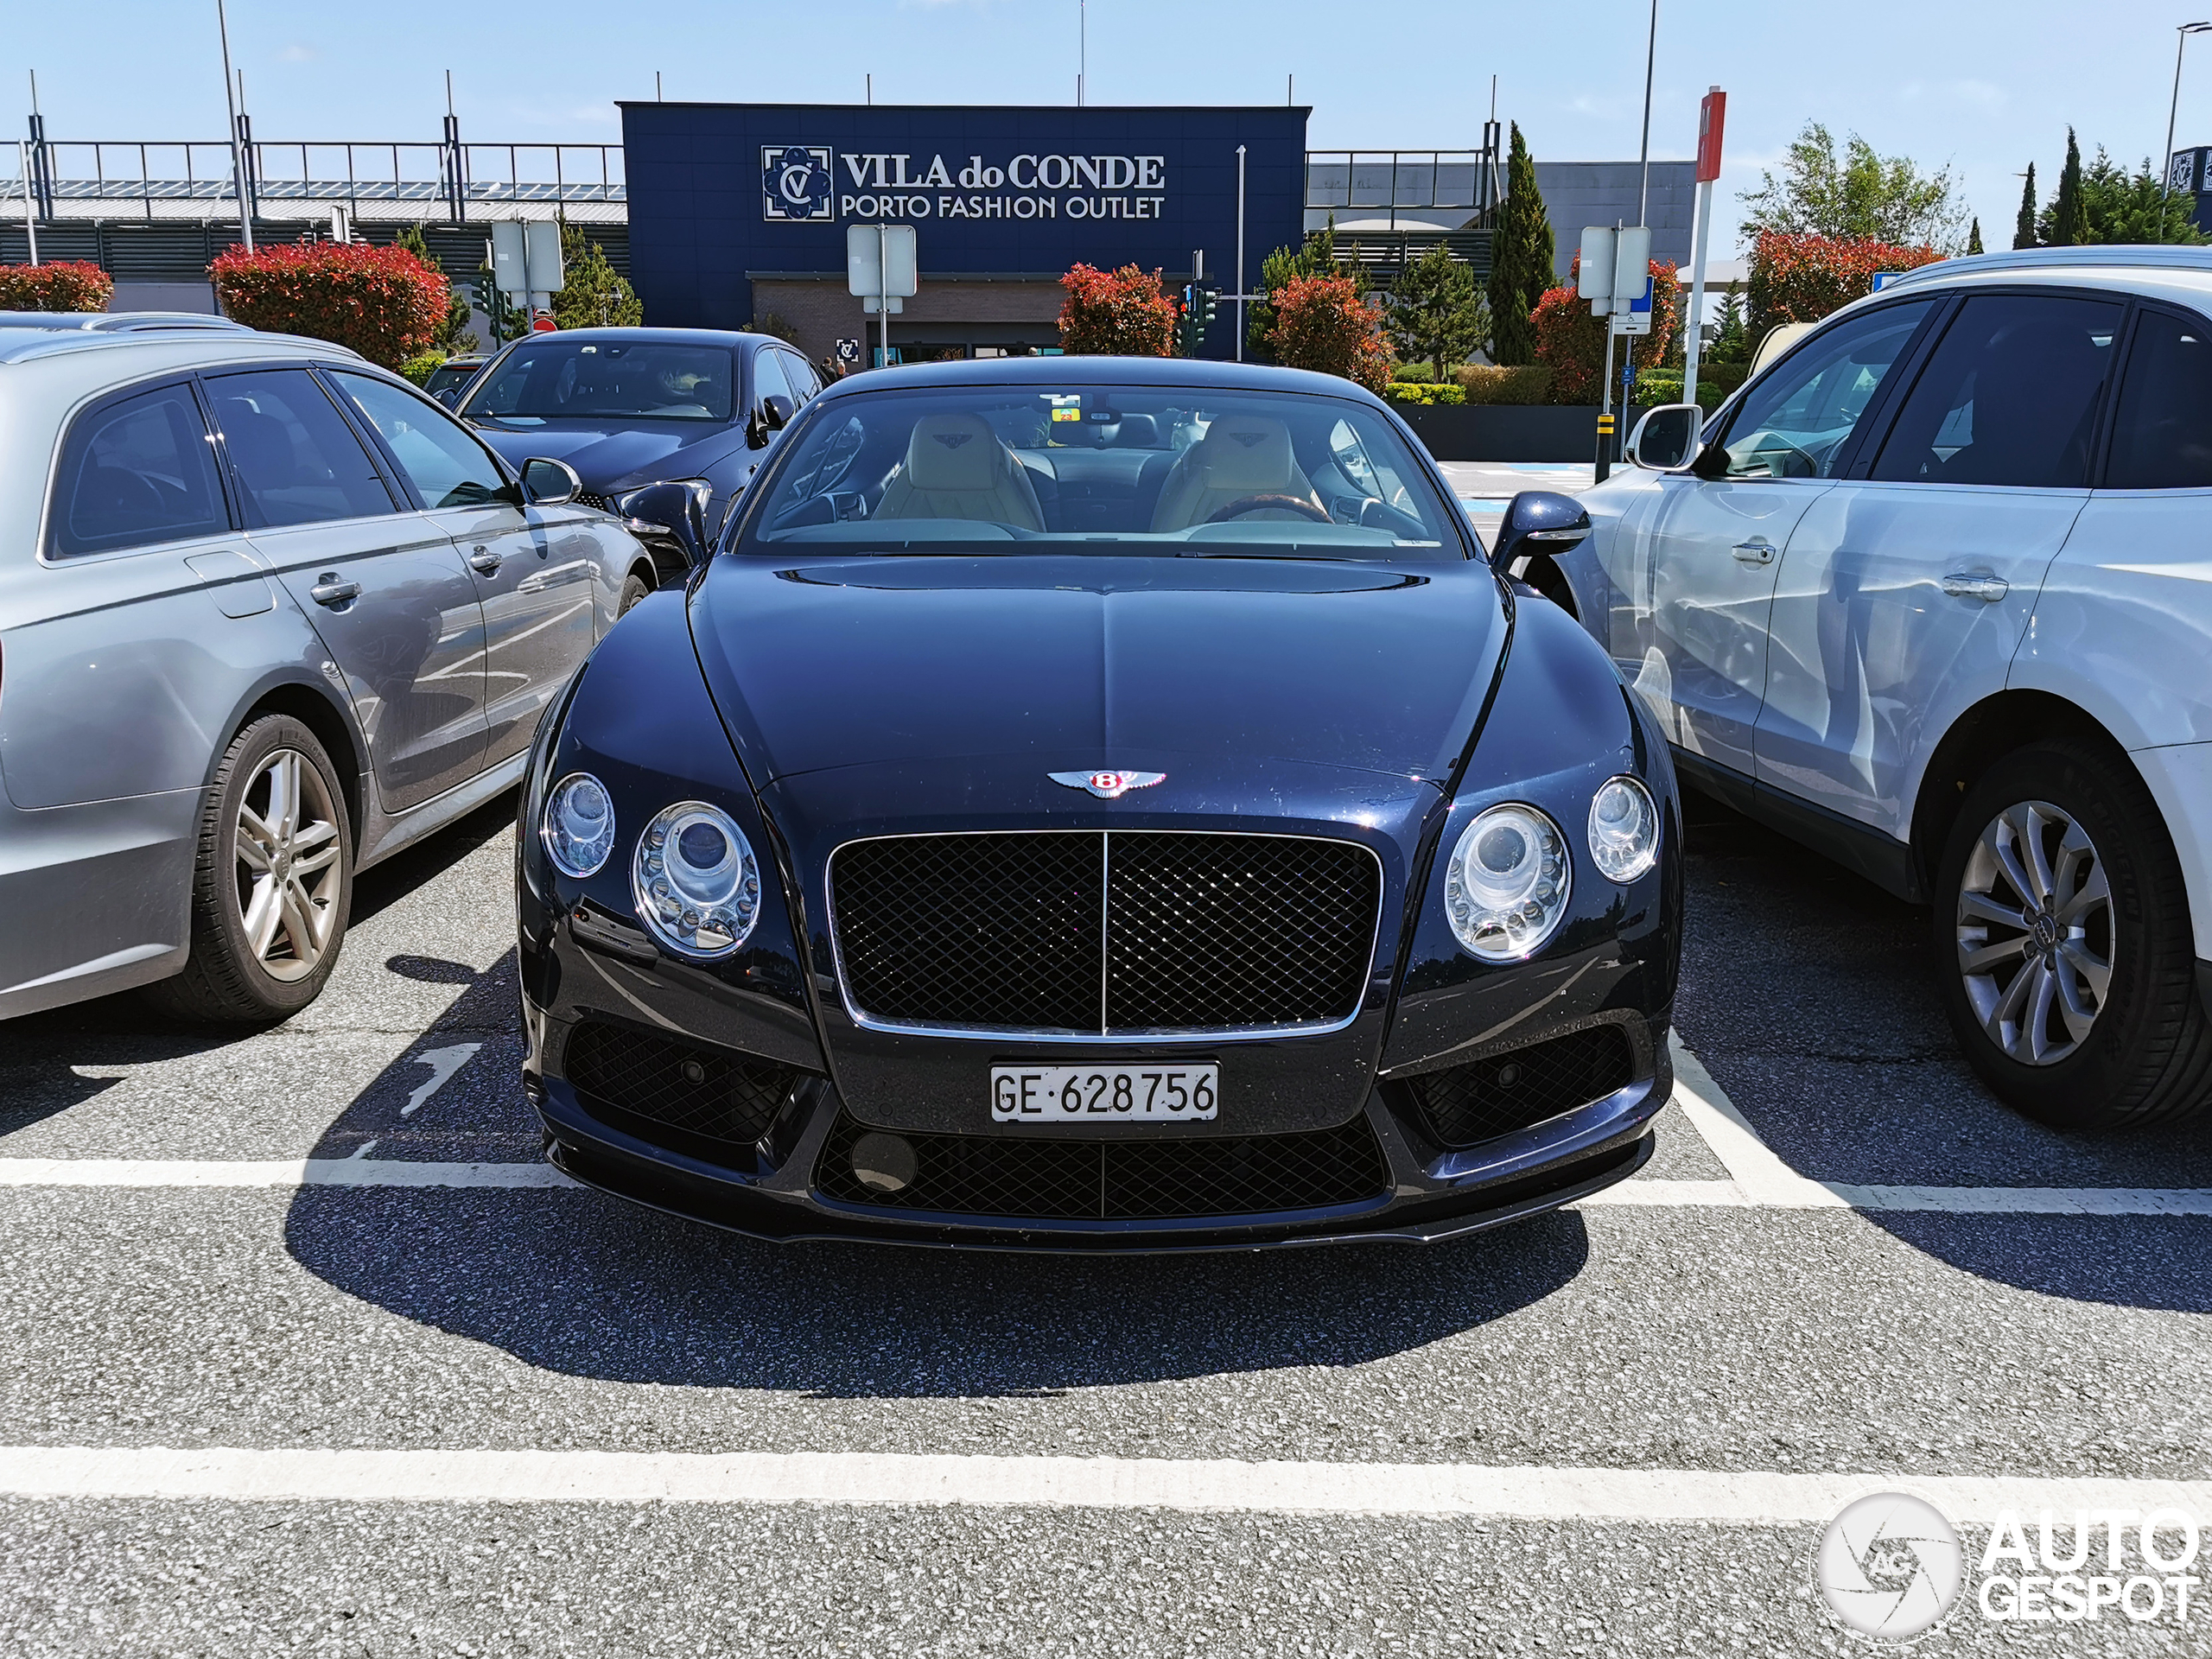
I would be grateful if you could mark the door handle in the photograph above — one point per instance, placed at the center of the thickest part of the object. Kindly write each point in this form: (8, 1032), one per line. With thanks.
(1758, 551)
(484, 561)
(1988, 589)
(330, 590)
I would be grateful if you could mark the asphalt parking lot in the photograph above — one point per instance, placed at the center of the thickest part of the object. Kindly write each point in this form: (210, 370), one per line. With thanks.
(317, 1407)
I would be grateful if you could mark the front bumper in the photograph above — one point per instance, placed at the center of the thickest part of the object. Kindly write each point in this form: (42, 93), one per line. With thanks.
(781, 1186)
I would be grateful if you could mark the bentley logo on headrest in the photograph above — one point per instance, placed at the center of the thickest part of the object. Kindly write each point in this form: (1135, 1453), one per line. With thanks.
(952, 440)
(1248, 439)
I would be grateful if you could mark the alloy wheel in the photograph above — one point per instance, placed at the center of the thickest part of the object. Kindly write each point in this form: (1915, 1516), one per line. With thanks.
(2035, 933)
(288, 871)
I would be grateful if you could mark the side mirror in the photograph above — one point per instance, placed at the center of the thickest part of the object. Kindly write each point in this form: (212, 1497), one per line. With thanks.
(669, 513)
(774, 413)
(1537, 522)
(1667, 439)
(550, 483)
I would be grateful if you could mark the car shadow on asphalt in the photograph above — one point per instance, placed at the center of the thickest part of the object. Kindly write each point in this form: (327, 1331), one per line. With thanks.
(1810, 995)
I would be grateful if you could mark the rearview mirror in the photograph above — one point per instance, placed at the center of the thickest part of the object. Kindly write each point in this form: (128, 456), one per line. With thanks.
(1666, 440)
(550, 483)
(669, 513)
(1537, 522)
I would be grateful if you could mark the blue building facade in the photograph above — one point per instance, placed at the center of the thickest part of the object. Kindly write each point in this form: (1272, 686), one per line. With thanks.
(738, 211)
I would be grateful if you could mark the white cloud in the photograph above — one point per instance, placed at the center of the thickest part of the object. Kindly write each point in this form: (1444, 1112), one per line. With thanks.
(298, 52)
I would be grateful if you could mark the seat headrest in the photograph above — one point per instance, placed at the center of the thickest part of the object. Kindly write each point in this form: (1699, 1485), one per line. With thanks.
(1248, 453)
(259, 444)
(952, 452)
(1137, 432)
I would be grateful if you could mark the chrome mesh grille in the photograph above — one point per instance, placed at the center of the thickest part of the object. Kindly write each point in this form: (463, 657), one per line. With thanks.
(1083, 931)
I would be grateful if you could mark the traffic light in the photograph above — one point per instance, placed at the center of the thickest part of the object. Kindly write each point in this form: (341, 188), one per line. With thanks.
(1192, 328)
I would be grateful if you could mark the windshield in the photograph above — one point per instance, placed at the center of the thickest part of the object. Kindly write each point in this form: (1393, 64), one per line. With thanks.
(1172, 470)
(591, 380)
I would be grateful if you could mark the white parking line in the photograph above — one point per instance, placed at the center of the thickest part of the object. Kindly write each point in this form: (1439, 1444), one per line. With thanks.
(275, 1171)
(434, 1475)
(1764, 1178)
(444, 1063)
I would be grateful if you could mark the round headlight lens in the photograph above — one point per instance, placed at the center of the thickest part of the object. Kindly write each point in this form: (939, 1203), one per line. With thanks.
(579, 826)
(1505, 889)
(695, 880)
(1624, 829)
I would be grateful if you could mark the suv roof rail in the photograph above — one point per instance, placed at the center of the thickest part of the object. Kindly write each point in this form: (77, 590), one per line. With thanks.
(2138, 255)
(119, 322)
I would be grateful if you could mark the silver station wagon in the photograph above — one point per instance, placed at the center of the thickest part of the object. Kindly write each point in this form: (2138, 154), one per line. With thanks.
(268, 614)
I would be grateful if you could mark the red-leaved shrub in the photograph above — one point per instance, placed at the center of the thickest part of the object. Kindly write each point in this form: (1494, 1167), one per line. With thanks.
(1322, 324)
(1800, 278)
(383, 302)
(1121, 313)
(56, 285)
(1571, 343)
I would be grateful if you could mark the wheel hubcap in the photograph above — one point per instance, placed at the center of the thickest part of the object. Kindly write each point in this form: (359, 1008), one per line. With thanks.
(2035, 933)
(287, 847)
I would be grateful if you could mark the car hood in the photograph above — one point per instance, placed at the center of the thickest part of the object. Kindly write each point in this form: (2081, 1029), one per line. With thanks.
(608, 455)
(1080, 662)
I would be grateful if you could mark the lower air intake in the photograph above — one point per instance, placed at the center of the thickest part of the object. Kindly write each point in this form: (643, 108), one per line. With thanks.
(1501, 1093)
(1014, 1180)
(683, 1086)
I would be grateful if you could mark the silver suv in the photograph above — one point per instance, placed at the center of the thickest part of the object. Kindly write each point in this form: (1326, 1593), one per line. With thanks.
(267, 615)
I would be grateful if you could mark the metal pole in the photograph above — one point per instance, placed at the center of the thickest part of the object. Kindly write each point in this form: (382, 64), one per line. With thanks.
(31, 219)
(1605, 410)
(883, 288)
(1240, 253)
(1650, 52)
(1695, 340)
(1082, 48)
(231, 106)
(2181, 32)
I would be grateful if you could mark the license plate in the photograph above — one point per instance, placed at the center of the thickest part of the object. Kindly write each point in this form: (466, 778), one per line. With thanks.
(1087, 1094)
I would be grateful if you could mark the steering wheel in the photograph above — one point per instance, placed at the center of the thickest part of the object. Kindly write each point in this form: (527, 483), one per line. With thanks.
(1245, 504)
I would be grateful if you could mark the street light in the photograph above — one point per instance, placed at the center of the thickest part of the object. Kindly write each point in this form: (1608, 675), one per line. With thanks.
(2182, 31)
(238, 151)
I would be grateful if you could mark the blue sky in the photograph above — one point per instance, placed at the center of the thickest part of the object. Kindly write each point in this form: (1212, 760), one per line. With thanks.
(1982, 88)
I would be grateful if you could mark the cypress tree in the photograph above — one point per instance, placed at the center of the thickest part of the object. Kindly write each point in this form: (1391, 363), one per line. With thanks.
(1521, 259)
(2024, 234)
(2069, 219)
(1973, 237)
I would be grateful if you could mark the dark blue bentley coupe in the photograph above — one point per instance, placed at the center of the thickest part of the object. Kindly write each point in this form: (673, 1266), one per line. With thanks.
(1101, 804)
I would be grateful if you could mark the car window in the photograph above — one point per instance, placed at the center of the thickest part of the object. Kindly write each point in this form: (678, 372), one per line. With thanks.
(804, 384)
(1797, 421)
(447, 467)
(135, 472)
(2162, 426)
(298, 461)
(550, 378)
(768, 377)
(1092, 469)
(2009, 396)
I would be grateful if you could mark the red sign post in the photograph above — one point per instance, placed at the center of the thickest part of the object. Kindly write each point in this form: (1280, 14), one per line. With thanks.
(1712, 117)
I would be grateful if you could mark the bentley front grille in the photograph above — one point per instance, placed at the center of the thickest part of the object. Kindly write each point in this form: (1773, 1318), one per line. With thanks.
(1098, 932)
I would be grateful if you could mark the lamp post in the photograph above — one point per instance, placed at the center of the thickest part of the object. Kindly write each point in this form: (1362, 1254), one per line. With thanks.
(2181, 32)
(237, 153)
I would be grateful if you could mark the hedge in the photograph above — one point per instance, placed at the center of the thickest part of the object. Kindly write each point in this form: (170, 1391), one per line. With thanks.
(1571, 341)
(1125, 313)
(1485, 383)
(383, 302)
(1800, 278)
(1424, 393)
(55, 285)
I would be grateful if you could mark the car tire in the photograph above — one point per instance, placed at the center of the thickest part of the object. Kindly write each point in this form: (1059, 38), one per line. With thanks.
(634, 587)
(2016, 990)
(271, 889)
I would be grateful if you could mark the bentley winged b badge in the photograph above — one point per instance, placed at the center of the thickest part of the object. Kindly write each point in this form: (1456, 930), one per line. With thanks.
(1107, 785)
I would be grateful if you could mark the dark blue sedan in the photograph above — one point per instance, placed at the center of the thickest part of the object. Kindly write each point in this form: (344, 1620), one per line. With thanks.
(1102, 803)
(631, 407)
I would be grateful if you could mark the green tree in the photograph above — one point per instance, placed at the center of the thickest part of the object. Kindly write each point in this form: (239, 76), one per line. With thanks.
(2024, 232)
(455, 335)
(2118, 206)
(595, 294)
(2063, 224)
(1858, 197)
(1973, 237)
(1436, 314)
(1521, 256)
(1316, 257)
(508, 320)
(1731, 341)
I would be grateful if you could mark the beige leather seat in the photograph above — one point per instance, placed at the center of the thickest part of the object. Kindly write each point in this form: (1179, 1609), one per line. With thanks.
(1240, 455)
(956, 468)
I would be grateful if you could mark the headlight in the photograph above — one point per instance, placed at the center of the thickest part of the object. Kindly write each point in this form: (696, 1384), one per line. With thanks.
(695, 880)
(1505, 889)
(578, 829)
(1624, 829)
